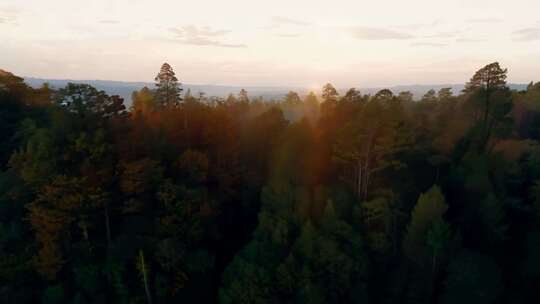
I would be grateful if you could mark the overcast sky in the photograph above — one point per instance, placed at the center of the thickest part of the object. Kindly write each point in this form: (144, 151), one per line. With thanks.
(279, 42)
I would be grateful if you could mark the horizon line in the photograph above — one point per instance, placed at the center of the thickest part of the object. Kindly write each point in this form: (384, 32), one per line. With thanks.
(307, 87)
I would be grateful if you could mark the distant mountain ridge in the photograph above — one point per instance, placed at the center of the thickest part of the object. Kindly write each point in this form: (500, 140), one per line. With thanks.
(125, 89)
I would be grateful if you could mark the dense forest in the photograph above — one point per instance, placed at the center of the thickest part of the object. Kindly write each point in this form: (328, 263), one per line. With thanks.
(325, 198)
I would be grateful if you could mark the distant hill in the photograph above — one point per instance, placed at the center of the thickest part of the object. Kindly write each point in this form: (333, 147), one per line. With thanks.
(125, 89)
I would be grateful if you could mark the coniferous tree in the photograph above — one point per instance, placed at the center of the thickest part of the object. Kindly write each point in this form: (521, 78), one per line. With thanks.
(428, 211)
(491, 101)
(269, 202)
(168, 89)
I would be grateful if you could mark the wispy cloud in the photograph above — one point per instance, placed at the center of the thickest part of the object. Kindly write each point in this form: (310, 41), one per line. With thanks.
(288, 35)
(202, 36)
(442, 35)
(527, 34)
(372, 33)
(431, 44)
(485, 20)
(109, 21)
(288, 21)
(278, 22)
(417, 26)
(468, 40)
(8, 15)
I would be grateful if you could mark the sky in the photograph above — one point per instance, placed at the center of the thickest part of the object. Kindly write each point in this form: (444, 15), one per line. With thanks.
(304, 43)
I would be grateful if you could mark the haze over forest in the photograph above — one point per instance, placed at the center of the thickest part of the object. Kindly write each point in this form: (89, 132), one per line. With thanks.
(269, 93)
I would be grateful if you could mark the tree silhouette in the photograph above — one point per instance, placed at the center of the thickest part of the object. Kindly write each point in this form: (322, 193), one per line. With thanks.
(168, 88)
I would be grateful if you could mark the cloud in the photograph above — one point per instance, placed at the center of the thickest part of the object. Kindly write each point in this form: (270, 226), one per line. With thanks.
(527, 34)
(485, 20)
(288, 35)
(417, 26)
(109, 21)
(432, 44)
(277, 22)
(466, 40)
(442, 35)
(371, 33)
(8, 16)
(288, 21)
(202, 36)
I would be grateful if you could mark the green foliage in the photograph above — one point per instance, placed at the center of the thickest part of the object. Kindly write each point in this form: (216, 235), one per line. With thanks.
(329, 93)
(428, 211)
(445, 94)
(492, 217)
(472, 278)
(193, 165)
(54, 295)
(377, 219)
(535, 194)
(490, 101)
(200, 261)
(531, 263)
(319, 265)
(438, 238)
(86, 101)
(168, 88)
(87, 278)
(244, 200)
(36, 162)
(117, 282)
(430, 97)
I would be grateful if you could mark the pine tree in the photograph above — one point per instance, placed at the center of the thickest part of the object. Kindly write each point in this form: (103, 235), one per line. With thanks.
(491, 77)
(438, 237)
(353, 95)
(430, 96)
(243, 97)
(491, 101)
(472, 278)
(445, 94)
(430, 208)
(168, 88)
(329, 94)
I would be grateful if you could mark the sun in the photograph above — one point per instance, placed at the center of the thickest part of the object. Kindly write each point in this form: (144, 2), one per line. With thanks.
(314, 87)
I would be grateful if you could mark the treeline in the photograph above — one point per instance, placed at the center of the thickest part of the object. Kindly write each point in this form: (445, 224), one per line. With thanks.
(333, 198)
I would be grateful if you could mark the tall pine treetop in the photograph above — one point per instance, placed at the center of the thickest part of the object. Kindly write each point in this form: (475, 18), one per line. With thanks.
(491, 77)
(168, 88)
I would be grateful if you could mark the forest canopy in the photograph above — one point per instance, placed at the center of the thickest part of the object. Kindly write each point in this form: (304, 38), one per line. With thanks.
(331, 197)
